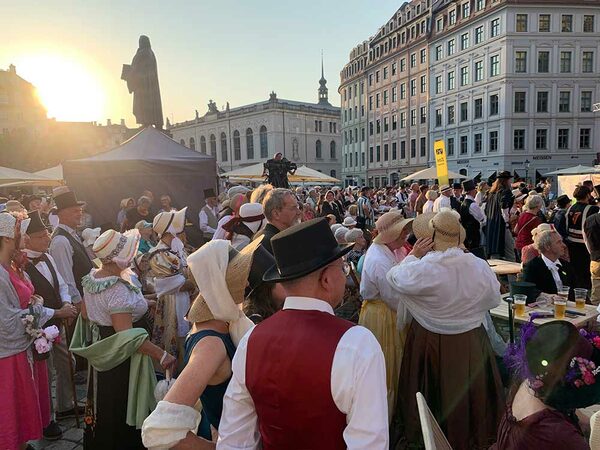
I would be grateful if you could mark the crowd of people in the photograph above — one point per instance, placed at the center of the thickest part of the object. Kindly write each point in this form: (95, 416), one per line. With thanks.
(305, 319)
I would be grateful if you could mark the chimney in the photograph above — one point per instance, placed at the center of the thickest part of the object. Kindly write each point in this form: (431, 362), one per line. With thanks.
(12, 69)
(122, 122)
(108, 123)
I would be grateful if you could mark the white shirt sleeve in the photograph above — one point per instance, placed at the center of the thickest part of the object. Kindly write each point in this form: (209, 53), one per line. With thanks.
(62, 253)
(203, 221)
(476, 212)
(63, 288)
(359, 390)
(238, 429)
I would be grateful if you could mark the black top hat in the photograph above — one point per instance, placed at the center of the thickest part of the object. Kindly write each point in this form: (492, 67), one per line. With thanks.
(31, 198)
(303, 249)
(563, 201)
(36, 224)
(208, 193)
(261, 262)
(65, 198)
(504, 174)
(456, 186)
(469, 185)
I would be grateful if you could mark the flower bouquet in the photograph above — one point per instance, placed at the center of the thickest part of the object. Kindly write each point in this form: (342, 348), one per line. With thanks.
(43, 338)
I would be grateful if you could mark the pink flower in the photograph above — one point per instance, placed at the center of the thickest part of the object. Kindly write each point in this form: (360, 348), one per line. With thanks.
(51, 332)
(588, 378)
(596, 341)
(42, 345)
(578, 383)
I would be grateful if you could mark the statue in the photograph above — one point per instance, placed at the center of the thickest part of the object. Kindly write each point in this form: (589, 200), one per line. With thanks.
(295, 154)
(276, 170)
(212, 107)
(142, 80)
(197, 114)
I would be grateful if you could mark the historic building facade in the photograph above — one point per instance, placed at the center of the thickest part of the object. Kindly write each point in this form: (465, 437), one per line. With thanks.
(306, 133)
(513, 83)
(20, 107)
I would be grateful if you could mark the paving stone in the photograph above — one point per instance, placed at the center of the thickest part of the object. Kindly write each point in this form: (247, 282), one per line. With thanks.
(73, 434)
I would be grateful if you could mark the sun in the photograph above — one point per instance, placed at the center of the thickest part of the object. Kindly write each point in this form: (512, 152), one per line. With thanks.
(66, 87)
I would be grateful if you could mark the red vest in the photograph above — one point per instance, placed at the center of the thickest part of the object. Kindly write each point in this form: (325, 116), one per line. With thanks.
(288, 375)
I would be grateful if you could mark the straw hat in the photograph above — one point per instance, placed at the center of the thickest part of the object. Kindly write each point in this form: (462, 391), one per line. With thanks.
(112, 246)
(236, 278)
(173, 220)
(443, 227)
(14, 206)
(389, 227)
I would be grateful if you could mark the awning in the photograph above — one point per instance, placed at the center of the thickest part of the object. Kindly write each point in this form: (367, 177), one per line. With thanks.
(431, 174)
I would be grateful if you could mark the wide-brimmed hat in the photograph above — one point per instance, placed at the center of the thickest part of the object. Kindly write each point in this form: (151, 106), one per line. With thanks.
(504, 174)
(112, 246)
(563, 200)
(349, 222)
(445, 187)
(236, 277)
(8, 225)
(443, 227)
(36, 224)
(65, 198)
(172, 220)
(237, 190)
(89, 235)
(14, 206)
(209, 193)
(389, 227)
(303, 249)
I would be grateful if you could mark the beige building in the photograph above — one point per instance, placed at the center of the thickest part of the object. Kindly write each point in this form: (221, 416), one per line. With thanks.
(20, 106)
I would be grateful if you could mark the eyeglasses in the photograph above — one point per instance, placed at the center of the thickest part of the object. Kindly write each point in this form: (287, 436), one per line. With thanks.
(345, 267)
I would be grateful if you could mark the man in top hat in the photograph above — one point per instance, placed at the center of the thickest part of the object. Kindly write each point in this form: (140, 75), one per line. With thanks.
(472, 219)
(208, 216)
(49, 284)
(69, 253)
(457, 196)
(323, 382)
(443, 201)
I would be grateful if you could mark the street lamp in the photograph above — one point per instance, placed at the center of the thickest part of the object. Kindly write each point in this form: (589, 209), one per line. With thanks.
(527, 163)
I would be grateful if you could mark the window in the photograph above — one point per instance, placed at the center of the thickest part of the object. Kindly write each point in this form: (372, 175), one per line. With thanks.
(466, 10)
(370, 128)
(423, 84)
(520, 62)
(370, 154)
(402, 64)
(493, 141)
(385, 73)
(464, 145)
(542, 102)
(377, 77)
(494, 66)
(464, 41)
(438, 52)
(264, 143)
(394, 94)
(370, 103)
(479, 5)
(394, 122)
(423, 146)
(386, 152)
(450, 114)
(318, 151)
(402, 149)
(371, 79)
(544, 23)
(521, 23)
(566, 23)
(543, 62)
(565, 62)
(479, 35)
(478, 70)
(584, 137)
(413, 88)
(451, 84)
(452, 17)
(588, 24)
(493, 105)
(563, 138)
(587, 62)
(413, 117)
(451, 45)
(378, 126)
(402, 120)
(464, 76)
(519, 102)
(332, 152)
(477, 143)
(386, 124)
(439, 24)
(450, 147)
(362, 134)
(478, 108)
(464, 112)
(438, 117)
(249, 143)
(413, 148)
(541, 139)
(495, 28)
(237, 148)
(402, 91)
(519, 139)
(394, 68)
(203, 145)
(423, 114)
(394, 151)
(385, 97)
(586, 101)
(413, 60)
(377, 100)
(213, 146)
(378, 153)
(423, 56)
(564, 102)
(438, 84)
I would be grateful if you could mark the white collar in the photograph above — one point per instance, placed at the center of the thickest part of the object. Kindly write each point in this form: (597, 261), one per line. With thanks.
(549, 263)
(32, 254)
(307, 304)
(469, 197)
(67, 228)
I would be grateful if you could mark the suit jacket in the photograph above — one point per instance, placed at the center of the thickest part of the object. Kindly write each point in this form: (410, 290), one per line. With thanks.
(268, 231)
(536, 271)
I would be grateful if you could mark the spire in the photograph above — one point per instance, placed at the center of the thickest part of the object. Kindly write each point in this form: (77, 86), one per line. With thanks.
(323, 91)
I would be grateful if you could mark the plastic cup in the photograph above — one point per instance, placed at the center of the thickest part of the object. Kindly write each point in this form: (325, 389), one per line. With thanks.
(520, 302)
(580, 297)
(560, 307)
(564, 292)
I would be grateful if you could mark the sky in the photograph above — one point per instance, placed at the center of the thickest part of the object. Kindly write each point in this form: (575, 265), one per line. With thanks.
(235, 51)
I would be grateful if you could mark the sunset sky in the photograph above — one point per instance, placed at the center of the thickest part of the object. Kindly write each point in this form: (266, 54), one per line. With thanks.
(225, 50)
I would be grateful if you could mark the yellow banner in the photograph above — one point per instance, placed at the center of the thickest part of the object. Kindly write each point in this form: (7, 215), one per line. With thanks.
(441, 164)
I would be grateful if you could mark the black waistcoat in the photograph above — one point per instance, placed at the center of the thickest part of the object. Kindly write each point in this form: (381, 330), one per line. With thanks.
(48, 291)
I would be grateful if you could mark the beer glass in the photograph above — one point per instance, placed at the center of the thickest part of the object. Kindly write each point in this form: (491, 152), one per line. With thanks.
(580, 296)
(520, 301)
(560, 306)
(564, 292)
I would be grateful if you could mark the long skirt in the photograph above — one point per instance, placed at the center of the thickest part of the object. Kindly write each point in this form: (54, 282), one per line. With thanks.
(25, 397)
(580, 261)
(459, 378)
(377, 317)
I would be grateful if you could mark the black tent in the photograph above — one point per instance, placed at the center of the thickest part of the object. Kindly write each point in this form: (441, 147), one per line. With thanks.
(149, 160)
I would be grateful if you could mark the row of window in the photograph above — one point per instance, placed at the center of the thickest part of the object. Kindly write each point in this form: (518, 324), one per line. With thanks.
(378, 126)
(544, 23)
(319, 127)
(375, 153)
(464, 111)
(542, 101)
(465, 75)
(565, 61)
(464, 40)
(237, 150)
(392, 70)
(401, 38)
(462, 10)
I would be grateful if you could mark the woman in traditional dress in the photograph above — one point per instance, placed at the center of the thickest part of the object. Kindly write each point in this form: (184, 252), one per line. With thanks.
(498, 236)
(330, 206)
(115, 343)
(218, 324)
(24, 390)
(528, 220)
(447, 355)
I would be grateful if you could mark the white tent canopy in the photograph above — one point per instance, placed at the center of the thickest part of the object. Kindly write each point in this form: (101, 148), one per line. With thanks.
(431, 174)
(577, 170)
(303, 174)
(47, 177)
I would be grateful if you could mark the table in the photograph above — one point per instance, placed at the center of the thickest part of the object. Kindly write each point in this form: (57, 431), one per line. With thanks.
(501, 267)
(591, 314)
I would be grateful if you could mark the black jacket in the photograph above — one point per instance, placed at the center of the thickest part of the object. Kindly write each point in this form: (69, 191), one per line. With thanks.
(268, 232)
(536, 271)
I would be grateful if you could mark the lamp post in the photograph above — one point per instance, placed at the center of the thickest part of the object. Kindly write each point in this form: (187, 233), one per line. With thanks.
(527, 162)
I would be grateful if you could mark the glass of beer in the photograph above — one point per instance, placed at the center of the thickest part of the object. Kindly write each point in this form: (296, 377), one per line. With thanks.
(560, 306)
(520, 301)
(564, 292)
(580, 297)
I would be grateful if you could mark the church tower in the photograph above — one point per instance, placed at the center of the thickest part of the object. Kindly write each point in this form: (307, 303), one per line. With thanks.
(323, 96)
